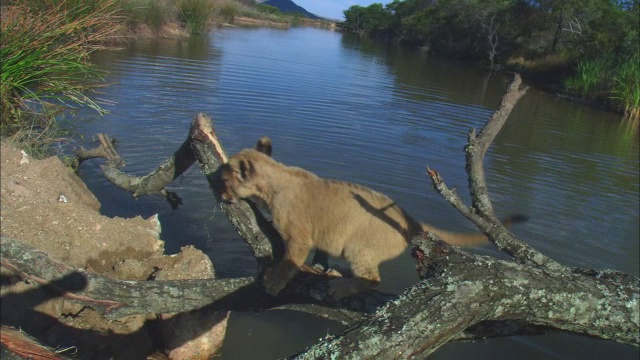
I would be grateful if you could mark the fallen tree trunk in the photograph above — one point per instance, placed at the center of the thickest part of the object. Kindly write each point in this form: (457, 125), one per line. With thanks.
(462, 290)
(120, 298)
(116, 298)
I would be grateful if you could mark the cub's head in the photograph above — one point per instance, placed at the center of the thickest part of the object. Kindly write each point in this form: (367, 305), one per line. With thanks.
(240, 177)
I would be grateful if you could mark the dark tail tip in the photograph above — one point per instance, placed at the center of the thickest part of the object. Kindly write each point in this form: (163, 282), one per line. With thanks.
(515, 218)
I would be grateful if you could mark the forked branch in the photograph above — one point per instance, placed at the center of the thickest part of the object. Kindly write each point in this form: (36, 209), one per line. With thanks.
(507, 298)
(151, 184)
(481, 210)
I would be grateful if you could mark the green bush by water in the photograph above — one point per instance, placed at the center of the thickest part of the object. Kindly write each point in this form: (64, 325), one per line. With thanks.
(195, 14)
(612, 78)
(44, 46)
(626, 86)
(155, 13)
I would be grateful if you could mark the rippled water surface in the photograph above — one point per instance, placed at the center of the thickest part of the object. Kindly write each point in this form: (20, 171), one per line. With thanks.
(354, 110)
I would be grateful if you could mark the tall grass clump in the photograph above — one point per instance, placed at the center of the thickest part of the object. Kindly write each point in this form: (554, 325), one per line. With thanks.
(195, 14)
(626, 86)
(592, 77)
(44, 46)
(615, 79)
(228, 11)
(72, 9)
(155, 13)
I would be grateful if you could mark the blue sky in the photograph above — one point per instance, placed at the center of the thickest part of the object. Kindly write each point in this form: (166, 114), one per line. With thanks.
(333, 8)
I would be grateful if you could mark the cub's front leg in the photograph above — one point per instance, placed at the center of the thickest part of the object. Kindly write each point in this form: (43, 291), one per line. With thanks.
(276, 277)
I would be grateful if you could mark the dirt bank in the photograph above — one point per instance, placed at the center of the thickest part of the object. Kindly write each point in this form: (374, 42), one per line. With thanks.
(44, 204)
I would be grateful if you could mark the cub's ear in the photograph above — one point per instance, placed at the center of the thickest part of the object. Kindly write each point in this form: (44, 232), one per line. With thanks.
(264, 145)
(246, 169)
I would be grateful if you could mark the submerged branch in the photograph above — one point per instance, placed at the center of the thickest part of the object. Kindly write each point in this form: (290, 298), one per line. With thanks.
(150, 184)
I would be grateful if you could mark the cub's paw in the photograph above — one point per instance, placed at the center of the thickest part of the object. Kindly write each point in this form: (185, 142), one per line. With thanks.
(272, 282)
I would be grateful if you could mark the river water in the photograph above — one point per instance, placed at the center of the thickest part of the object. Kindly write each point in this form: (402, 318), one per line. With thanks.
(354, 110)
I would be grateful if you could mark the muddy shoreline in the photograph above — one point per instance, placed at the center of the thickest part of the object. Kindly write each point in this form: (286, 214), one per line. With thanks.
(47, 206)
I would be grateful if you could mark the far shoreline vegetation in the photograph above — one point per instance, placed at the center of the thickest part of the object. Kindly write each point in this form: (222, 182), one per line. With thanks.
(46, 44)
(584, 49)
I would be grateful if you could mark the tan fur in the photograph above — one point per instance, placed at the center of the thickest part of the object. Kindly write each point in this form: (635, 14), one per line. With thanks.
(343, 219)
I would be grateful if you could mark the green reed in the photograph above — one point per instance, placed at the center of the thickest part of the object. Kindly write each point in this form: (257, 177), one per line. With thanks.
(626, 86)
(195, 14)
(155, 13)
(611, 78)
(44, 46)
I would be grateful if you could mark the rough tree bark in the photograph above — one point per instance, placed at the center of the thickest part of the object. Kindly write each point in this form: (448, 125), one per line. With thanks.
(150, 184)
(118, 298)
(534, 294)
(465, 294)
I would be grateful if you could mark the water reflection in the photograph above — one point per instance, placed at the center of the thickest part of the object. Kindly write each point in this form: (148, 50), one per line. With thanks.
(350, 109)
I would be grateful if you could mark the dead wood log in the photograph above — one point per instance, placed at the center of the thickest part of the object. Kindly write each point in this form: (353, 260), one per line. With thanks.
(263, 240)
(151, 184)
(464, 295)
(461, 290)
(119, 298)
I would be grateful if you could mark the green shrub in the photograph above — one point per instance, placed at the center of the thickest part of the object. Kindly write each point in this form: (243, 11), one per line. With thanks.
(155, 13)
(195, 14)
(610, 77)
(228, 12)
(45, 65)
(268, 9)
(626, 86)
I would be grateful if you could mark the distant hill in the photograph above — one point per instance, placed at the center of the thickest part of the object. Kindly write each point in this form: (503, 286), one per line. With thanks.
(288, 6)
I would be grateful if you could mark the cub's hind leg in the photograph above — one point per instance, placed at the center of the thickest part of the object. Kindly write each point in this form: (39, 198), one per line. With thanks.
(365, 276)
(320, 259)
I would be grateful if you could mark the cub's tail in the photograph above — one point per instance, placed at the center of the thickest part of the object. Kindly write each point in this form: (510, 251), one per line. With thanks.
(471, 239)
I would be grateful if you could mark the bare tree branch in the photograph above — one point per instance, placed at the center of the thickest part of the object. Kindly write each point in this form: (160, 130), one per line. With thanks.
(500, 297)
(462, 290)
(255, 230)
(481, 211)
(574, 27)
(476, 148)
(150, 184)
(116, 298)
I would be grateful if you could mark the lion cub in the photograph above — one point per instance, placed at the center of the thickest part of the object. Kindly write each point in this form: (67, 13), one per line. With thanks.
(340, 218)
